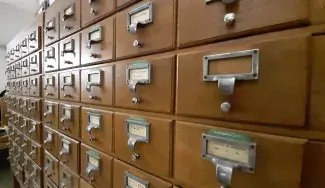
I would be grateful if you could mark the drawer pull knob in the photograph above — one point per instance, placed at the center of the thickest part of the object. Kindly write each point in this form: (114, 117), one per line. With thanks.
(68, 62)
(65, 128)
(50, 66)
(49, 94)
(30, 109)
(93, 97)
(64, 118)
(137, 44)
(49, 122)
(93, 55)
(24, 52)
(136, 100)
(31, 46)
(67, 27)
(89, 128)
(229, 19)
(225, 106)
(66, 95)
(135, 156)
(50, 37)
(93, 11)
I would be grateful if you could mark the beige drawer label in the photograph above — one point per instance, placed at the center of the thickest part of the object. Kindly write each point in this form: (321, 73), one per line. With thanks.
(138, 130)
(227, 151)
(65, 145)
(67, 79)
(94, 77)
(134, 184)
(95, 35)
(93, 161)
(139, 74)
(94, 119)
(141, 16)
(67, 112)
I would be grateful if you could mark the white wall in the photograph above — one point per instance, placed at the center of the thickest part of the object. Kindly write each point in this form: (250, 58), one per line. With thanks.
(3, 63)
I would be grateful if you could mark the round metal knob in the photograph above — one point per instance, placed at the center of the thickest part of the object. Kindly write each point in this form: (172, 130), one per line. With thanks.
(136, 43)
(50, 37)
(136, 100)
(92, 138)
(67, 27)
(230, 18)
(135, 156)
(93, 11)
(225, 107)
(48, 94)
(66, 95)
(65, 128)
(92, 97)
(93, 55)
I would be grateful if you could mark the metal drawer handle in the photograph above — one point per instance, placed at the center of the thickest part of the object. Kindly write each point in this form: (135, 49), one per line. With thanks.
(91, 168)
(48, 140)
(32, 130)
(64, 118)
(63, 152)
(47, 113)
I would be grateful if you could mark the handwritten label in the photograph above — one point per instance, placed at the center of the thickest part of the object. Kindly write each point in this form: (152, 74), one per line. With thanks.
(94, 119)
(141, 16)
(135, 184)
(138, 130)
(226, 151)
(139, 74)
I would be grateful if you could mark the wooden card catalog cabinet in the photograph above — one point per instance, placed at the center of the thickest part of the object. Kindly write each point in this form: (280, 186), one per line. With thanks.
(36, 153)
(12, 71)
(70, 52)
(18, 69)
(52, 24)
(231, 158)
(19, 87)
(26, 144)
(70, 86)
(34, 41)
(218, 82)
(94, 10)
(24, 126)
(51, 58)
(35, 131)
(51, 114)
(51, 86)
(36, 175)
(17, 52)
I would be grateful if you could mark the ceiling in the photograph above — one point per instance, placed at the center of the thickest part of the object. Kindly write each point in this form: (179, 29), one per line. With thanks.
(15, 15)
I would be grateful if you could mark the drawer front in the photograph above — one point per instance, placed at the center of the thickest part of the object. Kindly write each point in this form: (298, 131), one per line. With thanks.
(24, 46)
(36, 175)
(69, 120)
(7, 72)
(69, 152)
(26, 145)
(17, 104)
(25, 67)
(98, 42)
(157, 32)
(206, 82)
(51, 141)
(12, 87)
(68, 178)
(144, 142)
(69, 17)
(196, 146)
(17, 52)
(35, 84)
(34, 39)
(96, 167)
(145, 84)
(51, 58)
(12, 71)
(51, 114)
(35, 109)
(24, 126)
(97, 85)
(51, 86)
(18, 85)
(127, 176)
(25, 86)
(97, 129)
(70, 52)
(35, 131)
(221, 20)
(48, 183)
(70, 86)
(36, 153)
(25, 107)
(51, 167)
(35, 63)
(93, 10)
(18, 69)
(52, 24)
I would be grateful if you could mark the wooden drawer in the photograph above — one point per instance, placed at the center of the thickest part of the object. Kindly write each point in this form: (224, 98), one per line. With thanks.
(26, 164)
(97, 129)
(24, 126)
(52, 24)
(218, 20)
(69, 120)
(25, 107)
(17, 52)
(51, 58)
(35, 109)
(35, 131)
(51, 167)
(206, 82)
(12, 71)
(18, 69)
(98, 41)
(144, 142)
(35, 63)
(70, 86)
(35, 85)
(94, 10)
(70, 52)
(26, 144)
(146, 84)
(51, 86)
(25, 67)
(36, 175)
(34, 38)
(12, 87)
(17, 139)
(24, 46)
(96, 167)
(127, 176)
(196, 146)
(18, 86)
(69, 17)
(68, 178)
(69, 152)
(36, 152)
(51, 114)
(7, 72)
(50, 143)
(157, 33)
(25, 86)
(48, 183)
(97, 85)
(17, 104)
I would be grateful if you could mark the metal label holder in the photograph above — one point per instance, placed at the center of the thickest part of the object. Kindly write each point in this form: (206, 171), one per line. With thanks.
(132, 27)
(65, 83)
(91, 41)
(64, 116)
(50, 81)
(128, 176)
(50, 25)
(90, 166)
(49, 108)
(91, 125)
(132, 84)
(64, 150)
(32, 36)
(225, 167)
(33, 59)
(50, 54)
(68, 50)
(68, 15)
(93, 83)
(33, 82)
